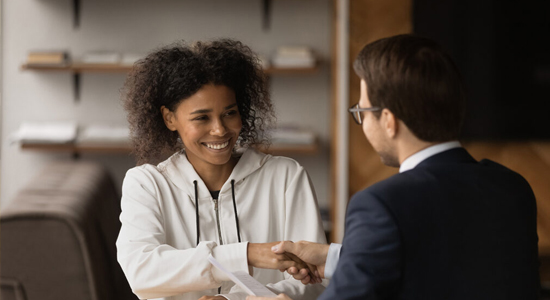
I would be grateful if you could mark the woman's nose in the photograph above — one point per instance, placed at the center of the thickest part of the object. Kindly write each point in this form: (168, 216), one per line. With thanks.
(218, 128)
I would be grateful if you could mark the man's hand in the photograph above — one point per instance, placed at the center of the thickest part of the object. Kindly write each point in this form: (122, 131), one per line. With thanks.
(260, 255)
(315, 255)
(280, 297)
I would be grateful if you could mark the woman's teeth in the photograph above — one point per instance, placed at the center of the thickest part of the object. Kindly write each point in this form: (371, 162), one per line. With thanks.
(217, 146)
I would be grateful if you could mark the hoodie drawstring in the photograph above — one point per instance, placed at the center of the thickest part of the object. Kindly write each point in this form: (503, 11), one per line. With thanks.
(234, 209)
(197, 211)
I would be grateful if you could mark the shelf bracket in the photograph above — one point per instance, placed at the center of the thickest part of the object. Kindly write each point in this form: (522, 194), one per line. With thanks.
(76, 14)
(266, 14)
(75, 155)
(76, 86)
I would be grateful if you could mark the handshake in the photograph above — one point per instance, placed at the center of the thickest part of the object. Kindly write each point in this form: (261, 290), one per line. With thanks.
(305, 261)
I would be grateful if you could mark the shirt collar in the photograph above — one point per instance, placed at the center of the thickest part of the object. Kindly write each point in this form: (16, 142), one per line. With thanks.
(413, 160)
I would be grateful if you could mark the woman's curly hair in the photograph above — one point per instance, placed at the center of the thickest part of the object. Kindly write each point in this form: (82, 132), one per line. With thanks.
(174, 73)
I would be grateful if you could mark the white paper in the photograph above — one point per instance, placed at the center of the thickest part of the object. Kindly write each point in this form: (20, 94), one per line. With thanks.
(104, 134)
(46, 132)
(246, 282)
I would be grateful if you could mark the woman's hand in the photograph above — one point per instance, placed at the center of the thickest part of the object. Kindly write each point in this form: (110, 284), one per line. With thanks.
(314, 254)
(261, 256)
(212, 298)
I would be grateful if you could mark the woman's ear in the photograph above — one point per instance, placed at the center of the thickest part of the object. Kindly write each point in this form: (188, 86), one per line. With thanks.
(169, 118)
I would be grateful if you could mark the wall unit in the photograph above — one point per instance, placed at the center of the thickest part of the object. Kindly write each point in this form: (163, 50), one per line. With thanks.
(32, 94)
(124, 148)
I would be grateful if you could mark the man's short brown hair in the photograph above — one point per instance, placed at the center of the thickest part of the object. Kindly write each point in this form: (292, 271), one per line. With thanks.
(418, 82)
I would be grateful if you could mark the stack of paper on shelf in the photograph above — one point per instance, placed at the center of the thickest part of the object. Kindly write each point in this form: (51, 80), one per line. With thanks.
(101, 57)
(103, 134)
(292, 136)
(294, 57)
(46, 133)
(130, 58)
(48, 58)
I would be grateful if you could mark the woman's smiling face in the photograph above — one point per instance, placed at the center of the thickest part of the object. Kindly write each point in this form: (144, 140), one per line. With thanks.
(208, 123)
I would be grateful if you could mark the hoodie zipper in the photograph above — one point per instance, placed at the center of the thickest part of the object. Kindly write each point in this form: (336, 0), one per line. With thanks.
(219, 229)
(218, 220)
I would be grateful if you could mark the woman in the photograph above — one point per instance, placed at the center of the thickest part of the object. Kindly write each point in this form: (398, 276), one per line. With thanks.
(202, 102)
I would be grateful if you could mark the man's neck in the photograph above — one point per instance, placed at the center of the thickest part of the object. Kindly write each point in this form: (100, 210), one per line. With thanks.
(408, 148)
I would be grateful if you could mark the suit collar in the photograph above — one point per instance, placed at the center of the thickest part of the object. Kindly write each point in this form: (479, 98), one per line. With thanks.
(456, 155)
(413, 160)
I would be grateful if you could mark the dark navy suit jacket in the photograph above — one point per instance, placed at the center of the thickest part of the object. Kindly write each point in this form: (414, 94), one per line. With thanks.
(451, 228)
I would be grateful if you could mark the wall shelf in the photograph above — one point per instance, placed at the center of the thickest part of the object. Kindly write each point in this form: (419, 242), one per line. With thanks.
(77, 149)
(118, 68)
(78, 68)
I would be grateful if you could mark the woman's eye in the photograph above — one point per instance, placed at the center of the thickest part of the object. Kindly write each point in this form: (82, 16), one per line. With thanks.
(200, 118)
(231, 113)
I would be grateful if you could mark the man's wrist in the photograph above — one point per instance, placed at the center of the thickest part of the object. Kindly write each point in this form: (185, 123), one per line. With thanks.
(333, 256)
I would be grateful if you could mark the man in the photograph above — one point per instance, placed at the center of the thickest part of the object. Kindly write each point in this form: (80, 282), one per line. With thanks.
(446, 226)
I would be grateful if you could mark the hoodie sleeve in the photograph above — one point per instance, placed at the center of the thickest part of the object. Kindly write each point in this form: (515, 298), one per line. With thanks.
(303, 222)
(155, 269)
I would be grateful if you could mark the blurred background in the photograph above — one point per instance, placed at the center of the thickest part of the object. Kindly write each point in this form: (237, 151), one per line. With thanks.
(63, 63)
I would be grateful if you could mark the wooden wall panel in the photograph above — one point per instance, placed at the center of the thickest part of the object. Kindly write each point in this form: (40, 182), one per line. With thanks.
(532, 161)
(370, 20)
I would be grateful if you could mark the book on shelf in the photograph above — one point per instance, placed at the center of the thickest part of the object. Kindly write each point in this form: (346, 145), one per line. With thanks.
(47, 58)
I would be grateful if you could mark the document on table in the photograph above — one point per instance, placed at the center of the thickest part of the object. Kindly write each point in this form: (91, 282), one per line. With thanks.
(248, 283)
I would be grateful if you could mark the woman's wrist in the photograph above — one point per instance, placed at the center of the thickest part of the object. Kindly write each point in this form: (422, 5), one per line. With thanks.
(251, 254)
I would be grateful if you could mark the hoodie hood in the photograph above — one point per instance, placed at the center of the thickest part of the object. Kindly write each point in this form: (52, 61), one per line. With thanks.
(181, 173)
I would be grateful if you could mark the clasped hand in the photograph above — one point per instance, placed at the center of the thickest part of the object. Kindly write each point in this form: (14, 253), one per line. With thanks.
(305, 261)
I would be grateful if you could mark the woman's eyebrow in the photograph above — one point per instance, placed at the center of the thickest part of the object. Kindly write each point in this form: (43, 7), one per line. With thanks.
(204, 111)
(201, 111)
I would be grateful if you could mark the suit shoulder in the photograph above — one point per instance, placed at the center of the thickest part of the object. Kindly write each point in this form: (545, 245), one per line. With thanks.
(395, 182)
(505, 170)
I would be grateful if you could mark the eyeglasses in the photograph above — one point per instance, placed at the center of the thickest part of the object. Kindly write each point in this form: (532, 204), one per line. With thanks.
(355, 111)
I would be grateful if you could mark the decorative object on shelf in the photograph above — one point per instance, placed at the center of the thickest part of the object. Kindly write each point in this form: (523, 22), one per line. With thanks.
(292, 135)
(48, 58)
(101, 58)
(294, 57)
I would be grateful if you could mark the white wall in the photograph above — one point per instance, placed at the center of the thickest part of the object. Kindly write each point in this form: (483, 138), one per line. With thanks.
(140, 26)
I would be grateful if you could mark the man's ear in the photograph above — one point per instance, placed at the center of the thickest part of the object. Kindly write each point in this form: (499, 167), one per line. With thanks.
(168, 117)
(390, 123)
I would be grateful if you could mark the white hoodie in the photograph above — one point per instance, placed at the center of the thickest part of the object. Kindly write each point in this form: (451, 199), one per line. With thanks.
(157, 242)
